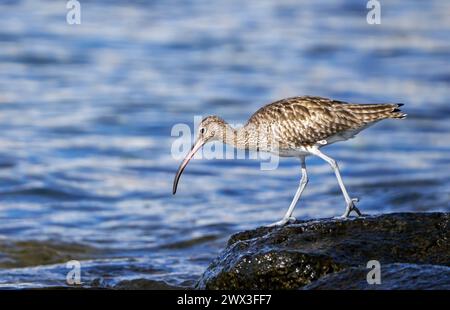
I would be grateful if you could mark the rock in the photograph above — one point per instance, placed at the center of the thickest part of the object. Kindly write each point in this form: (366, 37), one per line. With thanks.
(303, 252)
(19, 254)
(394, 277)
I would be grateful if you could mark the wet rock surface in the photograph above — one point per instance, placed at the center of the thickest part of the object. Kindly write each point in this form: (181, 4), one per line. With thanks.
(394, 276)
(17, 254)
(333, 253)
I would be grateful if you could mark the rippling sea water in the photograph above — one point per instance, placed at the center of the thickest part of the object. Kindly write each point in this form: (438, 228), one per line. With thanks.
(86, 113)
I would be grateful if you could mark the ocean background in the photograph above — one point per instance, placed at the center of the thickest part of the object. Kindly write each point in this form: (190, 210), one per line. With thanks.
(86, 114)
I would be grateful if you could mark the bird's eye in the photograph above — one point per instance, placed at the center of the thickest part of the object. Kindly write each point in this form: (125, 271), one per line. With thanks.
(202, 130)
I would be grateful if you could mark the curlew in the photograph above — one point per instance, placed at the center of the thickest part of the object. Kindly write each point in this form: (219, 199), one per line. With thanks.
(296, 127)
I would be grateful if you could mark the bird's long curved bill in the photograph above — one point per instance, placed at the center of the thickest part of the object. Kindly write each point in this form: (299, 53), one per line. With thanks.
(183, 165)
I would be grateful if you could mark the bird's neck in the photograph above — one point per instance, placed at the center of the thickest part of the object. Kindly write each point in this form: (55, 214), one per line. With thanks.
(240, 138)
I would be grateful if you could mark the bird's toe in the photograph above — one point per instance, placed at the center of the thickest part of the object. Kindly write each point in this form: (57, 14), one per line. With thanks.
(282, 222)
(291, 219)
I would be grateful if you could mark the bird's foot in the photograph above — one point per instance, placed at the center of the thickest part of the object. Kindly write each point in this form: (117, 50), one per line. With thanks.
(282, 222)
(351, 207)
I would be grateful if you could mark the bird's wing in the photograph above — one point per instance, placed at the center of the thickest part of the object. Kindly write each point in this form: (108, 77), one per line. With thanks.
(304, 121)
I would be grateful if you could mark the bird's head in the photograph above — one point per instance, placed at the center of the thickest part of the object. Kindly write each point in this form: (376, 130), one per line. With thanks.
(211, 128)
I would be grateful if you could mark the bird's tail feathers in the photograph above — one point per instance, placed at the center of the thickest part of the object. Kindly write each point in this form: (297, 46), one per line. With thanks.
(375, 112)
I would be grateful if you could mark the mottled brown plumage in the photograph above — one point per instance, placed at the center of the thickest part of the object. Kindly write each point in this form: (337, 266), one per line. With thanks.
(304, 121)
(296, 127)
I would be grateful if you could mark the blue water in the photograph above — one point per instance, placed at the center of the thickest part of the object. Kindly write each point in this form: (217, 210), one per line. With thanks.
(86, 113)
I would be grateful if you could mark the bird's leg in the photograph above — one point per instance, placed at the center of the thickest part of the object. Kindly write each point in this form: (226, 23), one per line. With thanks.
(304, 180)
(349, 201)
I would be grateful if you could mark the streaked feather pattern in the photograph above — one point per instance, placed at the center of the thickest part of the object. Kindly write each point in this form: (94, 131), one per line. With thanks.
(304, 121)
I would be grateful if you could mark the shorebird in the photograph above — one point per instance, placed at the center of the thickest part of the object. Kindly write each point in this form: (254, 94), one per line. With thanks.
(296, 127)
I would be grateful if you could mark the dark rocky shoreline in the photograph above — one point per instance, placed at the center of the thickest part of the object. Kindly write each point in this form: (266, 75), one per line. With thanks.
(413, 250)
